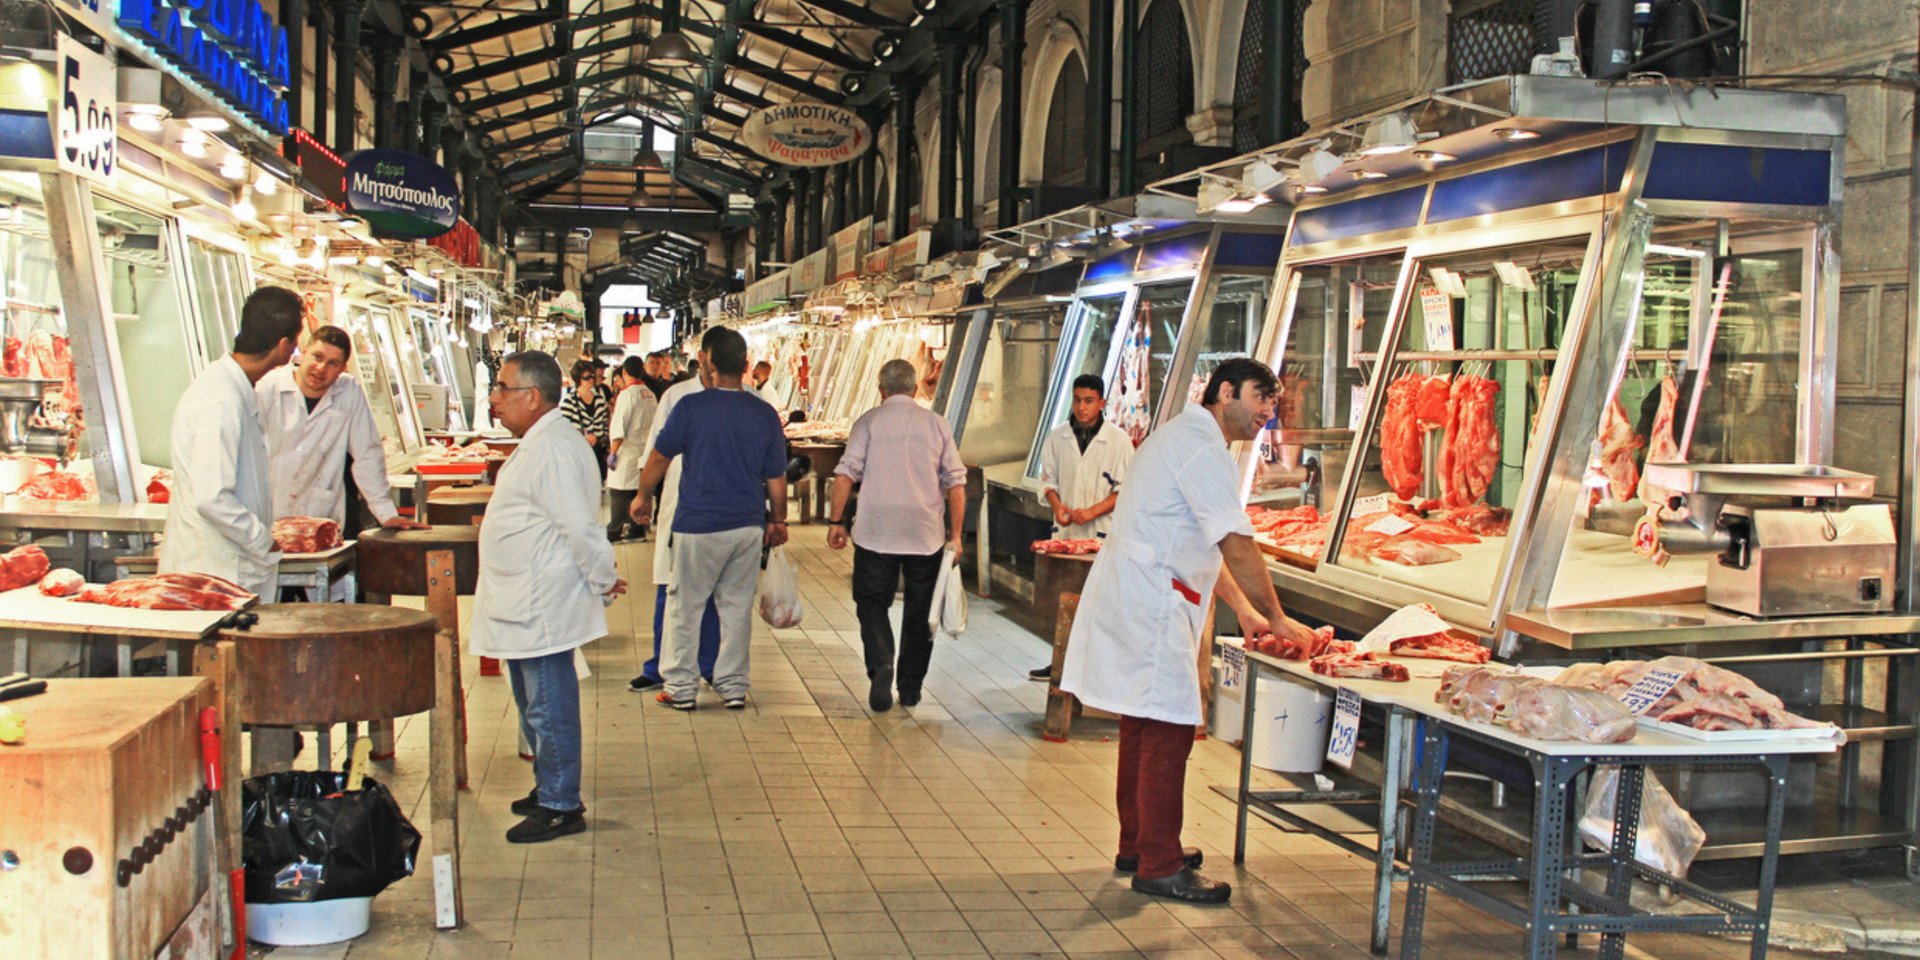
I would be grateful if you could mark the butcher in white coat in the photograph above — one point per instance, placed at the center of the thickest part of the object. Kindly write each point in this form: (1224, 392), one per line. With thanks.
(669, 500)
(315, 418)
(220, 516)
(632, 424)
(1136, 641)
(1082, 465)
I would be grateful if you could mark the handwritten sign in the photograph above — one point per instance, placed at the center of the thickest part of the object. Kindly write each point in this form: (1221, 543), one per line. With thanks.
(1370, 505)
(1391, 525)
(1356, 407)
(1649, 689)
(1437, 309)
(1233, 666)
(1345, 737)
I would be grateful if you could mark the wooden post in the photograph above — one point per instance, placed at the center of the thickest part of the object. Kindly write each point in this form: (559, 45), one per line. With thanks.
(381, 731)
(447, 760)
(443, 601)
(1061, 705)
(218, 661)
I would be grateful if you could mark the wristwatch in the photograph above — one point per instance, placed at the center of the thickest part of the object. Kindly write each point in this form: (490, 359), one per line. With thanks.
(836, 523)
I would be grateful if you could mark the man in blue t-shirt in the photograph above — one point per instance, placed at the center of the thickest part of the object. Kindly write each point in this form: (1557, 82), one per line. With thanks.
(736, 461)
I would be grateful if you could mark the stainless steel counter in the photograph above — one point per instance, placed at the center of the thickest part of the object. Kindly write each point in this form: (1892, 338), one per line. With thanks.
(1692, 623)
(69, 517)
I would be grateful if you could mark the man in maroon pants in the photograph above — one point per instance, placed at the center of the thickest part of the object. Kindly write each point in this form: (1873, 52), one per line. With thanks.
(1136, 640)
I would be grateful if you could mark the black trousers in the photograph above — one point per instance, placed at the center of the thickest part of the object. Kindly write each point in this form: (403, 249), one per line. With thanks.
(618, 523)
(875, 577)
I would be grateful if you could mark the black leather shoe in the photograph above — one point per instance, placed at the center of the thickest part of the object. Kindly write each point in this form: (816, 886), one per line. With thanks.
(1185, 886)
(528, 805)
(1041, 674)
(1191, 856)
(880, 692)
(544, 824)
(909, 698)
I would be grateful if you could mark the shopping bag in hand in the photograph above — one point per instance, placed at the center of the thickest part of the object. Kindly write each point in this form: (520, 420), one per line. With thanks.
(948, 614)
(779, 591)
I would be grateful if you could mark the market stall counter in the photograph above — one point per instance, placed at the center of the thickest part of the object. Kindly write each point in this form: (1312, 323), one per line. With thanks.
(94, 533)
(33, 617)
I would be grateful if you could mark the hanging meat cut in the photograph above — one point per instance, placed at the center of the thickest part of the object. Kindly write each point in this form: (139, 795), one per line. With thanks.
(1470, 454)
(47, 356)
(57, 485)
(1072, 548)
(62, 583)
(1359, 666)
(1128, 403)
(1617, 444)
(305, 534)
(23, 567)
(1402, 461)
(1441, 646)
(169, 591)
(1662, 448)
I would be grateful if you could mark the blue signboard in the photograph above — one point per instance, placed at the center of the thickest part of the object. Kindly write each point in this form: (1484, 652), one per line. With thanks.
(232, 46)
(402, 195)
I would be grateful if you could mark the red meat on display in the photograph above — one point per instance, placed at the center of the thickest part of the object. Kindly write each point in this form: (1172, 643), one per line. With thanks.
(305, 534)
(160, 488)
(170, 591)
(1402, 460)
(1662, 447)
(1073, 548)
(62, 583)
(1358, 666)
(1617, 445)
(1286, 649)
(1471, 452)
(57, 485)
(1441, 646)
(23, 567)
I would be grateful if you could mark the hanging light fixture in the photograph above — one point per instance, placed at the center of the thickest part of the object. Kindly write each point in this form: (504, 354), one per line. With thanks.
(1393, 133)
(671, 50)
(647, 158)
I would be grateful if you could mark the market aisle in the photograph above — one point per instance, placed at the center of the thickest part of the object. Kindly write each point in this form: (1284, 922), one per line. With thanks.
(807, 827)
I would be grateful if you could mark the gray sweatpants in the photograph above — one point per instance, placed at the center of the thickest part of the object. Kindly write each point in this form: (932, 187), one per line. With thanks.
(726, 567)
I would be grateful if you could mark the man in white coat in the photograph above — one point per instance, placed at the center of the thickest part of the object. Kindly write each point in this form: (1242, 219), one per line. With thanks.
(316, 418)
(633, 416)
(546, 576)
(1136, 642)
(1082, 465)
(220, 517)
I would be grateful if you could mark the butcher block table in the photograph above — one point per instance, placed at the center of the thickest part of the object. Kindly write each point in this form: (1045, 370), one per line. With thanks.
(461, 506)
(30, 616)
(438, 563)
(1053, 575)
(318, 664)
(112, 823)
(822, 459)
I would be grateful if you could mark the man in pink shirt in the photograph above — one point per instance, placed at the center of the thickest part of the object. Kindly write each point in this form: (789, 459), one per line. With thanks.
(908, 468)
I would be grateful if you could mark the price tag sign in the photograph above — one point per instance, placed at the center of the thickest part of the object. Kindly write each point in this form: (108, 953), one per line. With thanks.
(85, 135)
(1649, 689)
(1233, 666)
(1437, 309)
(1345, 737)
(1370, 505)
(1391, 525)
(1356, 406)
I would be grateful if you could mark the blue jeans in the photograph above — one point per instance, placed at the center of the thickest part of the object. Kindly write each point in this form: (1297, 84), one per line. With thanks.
(547, 691)
(709, 637)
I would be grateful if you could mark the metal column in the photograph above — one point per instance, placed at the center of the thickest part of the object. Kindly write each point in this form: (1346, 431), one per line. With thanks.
(346, 46)
(293, 13)
(321, 52)
(88, 306)
(1129, 95)
(1279, 97)
(951, 45)
(386, 89)
(906, 94)
(1100, 95)
(1013, 47)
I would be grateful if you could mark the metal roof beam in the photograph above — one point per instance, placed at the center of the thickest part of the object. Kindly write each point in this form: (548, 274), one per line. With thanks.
(535, 167)
(500, 27)
(855, 13)
(799, 44)
(799, 85)
(541, 188)
(536, 137)
(506, 120)
(504, 97)
(486, 71)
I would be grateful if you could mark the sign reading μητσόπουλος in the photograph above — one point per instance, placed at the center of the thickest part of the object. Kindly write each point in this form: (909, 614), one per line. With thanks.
(402, 194)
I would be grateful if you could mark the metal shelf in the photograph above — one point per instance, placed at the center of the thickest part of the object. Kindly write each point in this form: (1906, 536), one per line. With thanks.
(1863, 725)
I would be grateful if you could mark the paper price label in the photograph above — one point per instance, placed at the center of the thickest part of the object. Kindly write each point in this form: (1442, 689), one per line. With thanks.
(1366, 506)
(1436, 309)
(85, 131)
(1391, 525)
(1345, 737)
(1649, 689)
(1356, 407)
(1233, 666)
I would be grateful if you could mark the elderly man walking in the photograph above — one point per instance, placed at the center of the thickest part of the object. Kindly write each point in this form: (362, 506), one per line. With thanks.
(908, 468)
(546, 576)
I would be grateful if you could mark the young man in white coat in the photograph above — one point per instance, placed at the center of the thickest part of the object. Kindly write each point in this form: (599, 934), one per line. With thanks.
(546, 576)
(315, 419)
(1082, 465)
(1136, 642)
(633, 416)
(220, 517)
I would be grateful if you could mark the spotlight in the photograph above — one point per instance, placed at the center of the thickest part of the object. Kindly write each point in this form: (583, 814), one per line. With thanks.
(1434, 156)
(886, 48)
(145, 122)
(265, 185)
(244, 208)
(1393, 133)
(207, 121)
(1511, 134)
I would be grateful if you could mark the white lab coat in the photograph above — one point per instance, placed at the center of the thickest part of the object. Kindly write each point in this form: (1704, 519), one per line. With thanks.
(220, 516)
(545, 564)
(1136, 640)
(633, 417)
(670, 488)
(309, 450)
(1084, 479)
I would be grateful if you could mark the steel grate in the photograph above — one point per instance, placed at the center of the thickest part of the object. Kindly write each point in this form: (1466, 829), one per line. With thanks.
(1489, 39)
(1066, 156)
(1164, 93)
(1248, 74)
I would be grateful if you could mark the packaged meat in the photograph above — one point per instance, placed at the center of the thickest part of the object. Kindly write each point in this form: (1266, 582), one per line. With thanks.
(169, 591)
(1481, 694)
(1551, 712)
(57, 485)
(305, 534)
(1358, 666)
(1470, 453)
(23, 567)
(1068, 547)
(1441, 646)
(62, 583)
(160, 488)
(1411, 552)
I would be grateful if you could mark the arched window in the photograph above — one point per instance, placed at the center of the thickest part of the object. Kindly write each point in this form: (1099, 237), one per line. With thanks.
(1065, 160)
(1163, 94)
(989, 172)
(1248, 73)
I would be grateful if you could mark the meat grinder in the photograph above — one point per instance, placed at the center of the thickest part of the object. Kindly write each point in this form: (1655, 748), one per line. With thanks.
(23, 430)
(1816, 553)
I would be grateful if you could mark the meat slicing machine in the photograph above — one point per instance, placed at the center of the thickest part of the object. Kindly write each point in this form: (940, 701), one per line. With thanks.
(1821, 551)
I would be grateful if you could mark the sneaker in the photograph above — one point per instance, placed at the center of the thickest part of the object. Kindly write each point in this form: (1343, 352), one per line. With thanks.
(880, 692)
(736, 703)
(528, 805)
(1041, 674)
(666, 699)
(544, 824)
(643, 683)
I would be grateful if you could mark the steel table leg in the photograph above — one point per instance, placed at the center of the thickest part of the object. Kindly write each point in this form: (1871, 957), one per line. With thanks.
(1391, 751)
(1246, 760)
(1626, 829)
(1433, 768)
(123, 656)
(1770, 855)
(1552, 775)
(21, 647)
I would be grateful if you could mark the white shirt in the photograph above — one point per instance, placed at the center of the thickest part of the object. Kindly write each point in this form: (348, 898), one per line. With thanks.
(633, 417)
(670, 487)
(1084, 479)
(1135, 644)
(545, 564)
(220, 517)
(766, 392)
(309, 449)
(904, 459)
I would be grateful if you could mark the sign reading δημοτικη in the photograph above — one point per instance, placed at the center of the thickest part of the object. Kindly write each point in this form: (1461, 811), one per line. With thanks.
(401, 194)
(802, 134)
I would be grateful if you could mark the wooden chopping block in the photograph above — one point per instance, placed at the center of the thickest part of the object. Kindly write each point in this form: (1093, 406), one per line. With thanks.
(394, 562)
(109, 767)
(459, 506)
(324, 663)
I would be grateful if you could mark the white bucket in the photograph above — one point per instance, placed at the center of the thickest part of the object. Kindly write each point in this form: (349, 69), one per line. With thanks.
(1293, 720)
(308, 924)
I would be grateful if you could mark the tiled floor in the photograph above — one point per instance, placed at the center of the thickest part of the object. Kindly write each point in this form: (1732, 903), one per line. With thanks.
(806, 826)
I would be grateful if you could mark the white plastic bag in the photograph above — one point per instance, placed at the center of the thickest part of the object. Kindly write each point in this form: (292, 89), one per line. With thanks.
(1668, 839)
(779, 592)
(948, 614)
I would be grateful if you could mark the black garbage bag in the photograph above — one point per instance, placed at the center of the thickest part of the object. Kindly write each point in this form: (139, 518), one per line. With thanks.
(304, 839)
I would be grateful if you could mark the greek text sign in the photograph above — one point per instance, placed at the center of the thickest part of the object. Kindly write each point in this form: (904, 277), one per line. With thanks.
(806, 134)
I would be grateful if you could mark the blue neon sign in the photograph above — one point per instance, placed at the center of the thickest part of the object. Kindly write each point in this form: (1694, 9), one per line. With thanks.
(232, 46)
